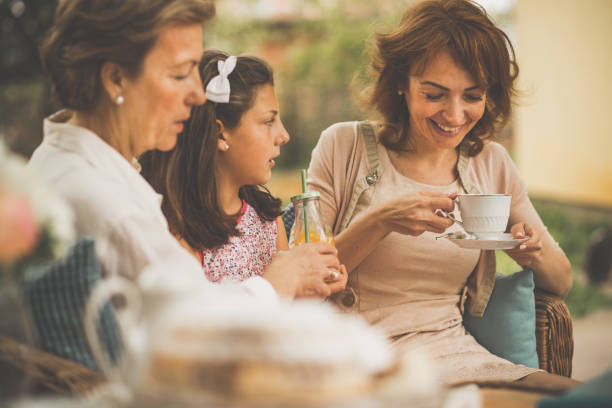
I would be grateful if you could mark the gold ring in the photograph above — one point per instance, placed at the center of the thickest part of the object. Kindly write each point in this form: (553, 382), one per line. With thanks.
(333, 276)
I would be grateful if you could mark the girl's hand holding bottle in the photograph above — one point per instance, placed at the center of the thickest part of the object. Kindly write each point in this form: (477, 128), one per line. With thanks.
(309, 228)
(304, 271)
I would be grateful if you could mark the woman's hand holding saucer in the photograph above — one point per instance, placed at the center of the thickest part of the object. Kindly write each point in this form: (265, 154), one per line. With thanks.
(529, 252)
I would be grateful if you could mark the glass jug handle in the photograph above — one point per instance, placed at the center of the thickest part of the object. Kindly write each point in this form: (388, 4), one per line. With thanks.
(127, 319)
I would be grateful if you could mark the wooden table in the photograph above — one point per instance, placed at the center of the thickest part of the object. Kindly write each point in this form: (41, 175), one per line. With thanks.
(491, 398)
(508, 398)
(69, 378)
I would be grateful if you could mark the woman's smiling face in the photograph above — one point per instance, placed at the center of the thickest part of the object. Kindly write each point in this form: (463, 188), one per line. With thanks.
(445, 103)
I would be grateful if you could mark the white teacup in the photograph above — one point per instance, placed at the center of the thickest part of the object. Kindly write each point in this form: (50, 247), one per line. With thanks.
(484, 214)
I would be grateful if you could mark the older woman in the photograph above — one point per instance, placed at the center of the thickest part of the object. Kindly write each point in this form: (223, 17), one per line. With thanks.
(127, 73)
(443, 81)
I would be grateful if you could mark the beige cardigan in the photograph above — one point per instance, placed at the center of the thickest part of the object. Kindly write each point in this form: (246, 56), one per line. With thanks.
(339, 169)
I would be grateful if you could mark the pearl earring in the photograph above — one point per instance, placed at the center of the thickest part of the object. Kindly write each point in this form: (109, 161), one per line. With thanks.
(226, 147)
(119, 100)
(400, 92)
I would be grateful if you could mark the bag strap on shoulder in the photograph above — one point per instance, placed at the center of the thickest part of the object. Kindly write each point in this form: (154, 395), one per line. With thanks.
(369, 137)
(366, 130)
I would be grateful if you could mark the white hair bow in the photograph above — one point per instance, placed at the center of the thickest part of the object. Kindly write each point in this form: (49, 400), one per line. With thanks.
(218, 89)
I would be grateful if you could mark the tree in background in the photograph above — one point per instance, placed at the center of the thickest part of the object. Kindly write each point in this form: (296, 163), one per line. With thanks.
(317, 52)
(24, 95)
(316, 56)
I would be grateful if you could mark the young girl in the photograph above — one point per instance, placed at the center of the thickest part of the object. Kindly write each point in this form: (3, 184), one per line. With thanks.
(212, 182)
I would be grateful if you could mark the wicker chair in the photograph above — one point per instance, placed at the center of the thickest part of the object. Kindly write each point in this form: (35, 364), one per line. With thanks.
(45, 372)
(554, 335)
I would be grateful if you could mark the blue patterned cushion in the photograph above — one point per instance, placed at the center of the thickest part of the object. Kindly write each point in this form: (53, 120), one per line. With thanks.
(56, 296)
(507, 328)
(288, 218)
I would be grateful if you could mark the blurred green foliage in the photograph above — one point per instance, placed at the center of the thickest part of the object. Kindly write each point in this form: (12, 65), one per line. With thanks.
(584, 299)
(321, 61)
(24, 96)
(315, 60)
(572, 228)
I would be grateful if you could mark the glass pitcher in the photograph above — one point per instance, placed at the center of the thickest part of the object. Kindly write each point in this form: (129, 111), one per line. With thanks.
(318, 230)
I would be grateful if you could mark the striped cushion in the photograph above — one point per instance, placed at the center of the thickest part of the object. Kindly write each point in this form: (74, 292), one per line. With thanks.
(56, 296)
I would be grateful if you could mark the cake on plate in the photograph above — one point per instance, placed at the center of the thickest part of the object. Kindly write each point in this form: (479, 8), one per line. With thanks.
(303, 350)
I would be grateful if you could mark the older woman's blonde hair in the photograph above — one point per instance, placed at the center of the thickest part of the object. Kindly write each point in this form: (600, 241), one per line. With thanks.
(87, 33)
(460, 27)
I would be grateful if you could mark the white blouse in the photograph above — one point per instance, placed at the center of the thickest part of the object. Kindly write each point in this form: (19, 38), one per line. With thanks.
(115, 205)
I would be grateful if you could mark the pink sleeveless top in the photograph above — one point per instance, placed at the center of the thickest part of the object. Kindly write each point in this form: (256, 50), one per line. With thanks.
(245, 255)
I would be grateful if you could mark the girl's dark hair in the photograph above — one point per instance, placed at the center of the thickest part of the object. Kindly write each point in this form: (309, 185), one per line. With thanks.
(87, 33)
(460, 27)
(185, 176)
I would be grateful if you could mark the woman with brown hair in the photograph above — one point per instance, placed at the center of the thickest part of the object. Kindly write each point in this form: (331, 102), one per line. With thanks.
(212, 182)
(443, 83)
(127, 73)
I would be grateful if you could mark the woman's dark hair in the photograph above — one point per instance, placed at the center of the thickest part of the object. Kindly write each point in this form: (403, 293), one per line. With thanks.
(87, 33)
(460, 27)
(185, 176)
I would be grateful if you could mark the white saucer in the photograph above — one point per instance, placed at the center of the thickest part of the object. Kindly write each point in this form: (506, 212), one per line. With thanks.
(490, 241)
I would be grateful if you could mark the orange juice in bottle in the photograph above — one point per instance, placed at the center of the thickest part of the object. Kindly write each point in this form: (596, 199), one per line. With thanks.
(314, 237)
(308, 218)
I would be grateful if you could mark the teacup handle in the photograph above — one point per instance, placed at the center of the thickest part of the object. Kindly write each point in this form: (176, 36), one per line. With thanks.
(450, 216)
(126, 318)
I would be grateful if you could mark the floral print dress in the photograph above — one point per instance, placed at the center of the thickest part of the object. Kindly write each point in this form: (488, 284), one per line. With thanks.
(245, 255)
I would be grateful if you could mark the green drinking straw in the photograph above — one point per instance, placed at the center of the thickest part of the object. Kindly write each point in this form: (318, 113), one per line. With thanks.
(304, 190)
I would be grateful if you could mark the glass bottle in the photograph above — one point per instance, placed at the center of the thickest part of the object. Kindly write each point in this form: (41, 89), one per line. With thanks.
(318, 230)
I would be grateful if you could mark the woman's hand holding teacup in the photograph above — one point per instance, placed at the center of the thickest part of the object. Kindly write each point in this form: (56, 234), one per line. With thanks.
(415, 213)
(528, 253)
